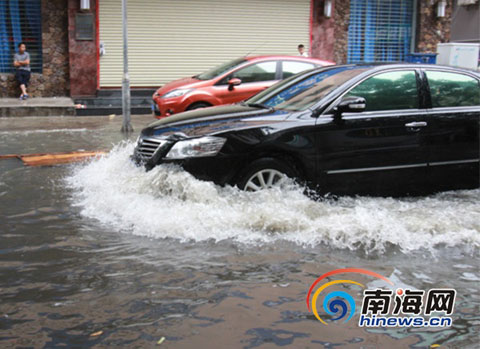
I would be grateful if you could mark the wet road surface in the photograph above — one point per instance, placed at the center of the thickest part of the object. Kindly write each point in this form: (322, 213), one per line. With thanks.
(105, 246)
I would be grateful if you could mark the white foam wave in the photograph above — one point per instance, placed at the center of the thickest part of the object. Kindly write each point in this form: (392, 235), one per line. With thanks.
(168, 202)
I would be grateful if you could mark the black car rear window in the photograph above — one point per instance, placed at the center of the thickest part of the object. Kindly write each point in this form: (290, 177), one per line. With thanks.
(453, 90)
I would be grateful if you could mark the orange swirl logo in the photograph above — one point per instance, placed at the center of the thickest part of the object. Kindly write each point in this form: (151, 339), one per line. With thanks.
(337, 303)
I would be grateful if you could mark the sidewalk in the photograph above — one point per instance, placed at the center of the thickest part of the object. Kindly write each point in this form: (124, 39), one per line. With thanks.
(41, 106)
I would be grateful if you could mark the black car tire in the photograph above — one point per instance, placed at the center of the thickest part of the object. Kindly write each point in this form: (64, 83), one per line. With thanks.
(265, 168)
(198, 105)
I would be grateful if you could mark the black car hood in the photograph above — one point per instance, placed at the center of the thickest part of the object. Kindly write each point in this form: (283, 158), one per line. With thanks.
(213, 120)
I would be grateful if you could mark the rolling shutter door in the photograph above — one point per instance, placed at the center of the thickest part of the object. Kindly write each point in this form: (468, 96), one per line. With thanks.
(170, 39)
(380, 30)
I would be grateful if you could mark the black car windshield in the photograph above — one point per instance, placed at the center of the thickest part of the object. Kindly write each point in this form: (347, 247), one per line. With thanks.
(301, 91)
(219, 70)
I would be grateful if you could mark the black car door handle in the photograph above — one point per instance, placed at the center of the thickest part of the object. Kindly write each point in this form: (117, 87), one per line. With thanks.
(416, 124)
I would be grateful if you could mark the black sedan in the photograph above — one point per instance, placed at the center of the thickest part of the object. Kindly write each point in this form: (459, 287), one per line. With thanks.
(393, 129)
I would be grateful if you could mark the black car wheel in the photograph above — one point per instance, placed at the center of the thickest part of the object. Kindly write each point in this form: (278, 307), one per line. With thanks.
(198, 105)
(266, 173)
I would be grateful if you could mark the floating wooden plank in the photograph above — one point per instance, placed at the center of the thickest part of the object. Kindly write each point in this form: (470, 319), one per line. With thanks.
(50, 159)
(8, 156)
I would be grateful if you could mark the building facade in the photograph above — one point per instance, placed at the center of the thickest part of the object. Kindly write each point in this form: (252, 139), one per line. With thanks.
(466, 21)
(78, 51)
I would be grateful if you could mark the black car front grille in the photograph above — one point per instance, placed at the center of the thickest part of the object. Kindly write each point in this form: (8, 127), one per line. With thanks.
(146, 147)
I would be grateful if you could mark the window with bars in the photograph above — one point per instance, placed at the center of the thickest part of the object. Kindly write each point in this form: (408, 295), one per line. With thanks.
(20, 21)
(380, 30)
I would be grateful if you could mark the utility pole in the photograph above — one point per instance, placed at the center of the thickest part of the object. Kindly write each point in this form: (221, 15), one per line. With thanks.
(126, 127)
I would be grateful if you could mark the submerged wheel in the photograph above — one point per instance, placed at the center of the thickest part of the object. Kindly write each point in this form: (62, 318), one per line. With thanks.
(266, 173)
(198, 105)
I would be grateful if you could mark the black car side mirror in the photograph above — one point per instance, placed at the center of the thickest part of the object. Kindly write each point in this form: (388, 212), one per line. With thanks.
(233, 82)
(352, 104)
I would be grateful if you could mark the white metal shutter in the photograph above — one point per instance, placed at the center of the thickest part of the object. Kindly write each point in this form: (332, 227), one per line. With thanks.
(170, 39)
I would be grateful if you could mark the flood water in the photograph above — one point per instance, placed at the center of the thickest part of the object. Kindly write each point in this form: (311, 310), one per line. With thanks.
(103, 254)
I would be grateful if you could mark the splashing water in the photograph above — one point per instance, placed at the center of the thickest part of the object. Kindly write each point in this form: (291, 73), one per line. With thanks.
(167, 202)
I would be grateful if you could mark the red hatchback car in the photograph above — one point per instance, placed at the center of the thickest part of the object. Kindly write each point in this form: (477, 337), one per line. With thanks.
(228, 83)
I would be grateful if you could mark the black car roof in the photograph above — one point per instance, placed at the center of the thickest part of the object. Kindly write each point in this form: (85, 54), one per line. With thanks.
(378, 66)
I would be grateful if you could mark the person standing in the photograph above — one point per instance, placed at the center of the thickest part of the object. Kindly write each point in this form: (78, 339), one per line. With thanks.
(21, 61)
(301, 51)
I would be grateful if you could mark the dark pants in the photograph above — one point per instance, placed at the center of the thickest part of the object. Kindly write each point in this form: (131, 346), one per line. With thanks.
(23, 76)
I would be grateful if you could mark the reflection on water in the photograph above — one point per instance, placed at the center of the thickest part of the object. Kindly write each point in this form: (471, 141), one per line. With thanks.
(142, 255)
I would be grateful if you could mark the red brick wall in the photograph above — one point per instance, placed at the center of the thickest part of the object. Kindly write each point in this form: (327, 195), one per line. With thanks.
(330, 35)
(82, 55)
(322, 32)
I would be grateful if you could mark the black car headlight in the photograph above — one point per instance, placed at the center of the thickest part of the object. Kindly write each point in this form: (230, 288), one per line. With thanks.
(197, 147)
